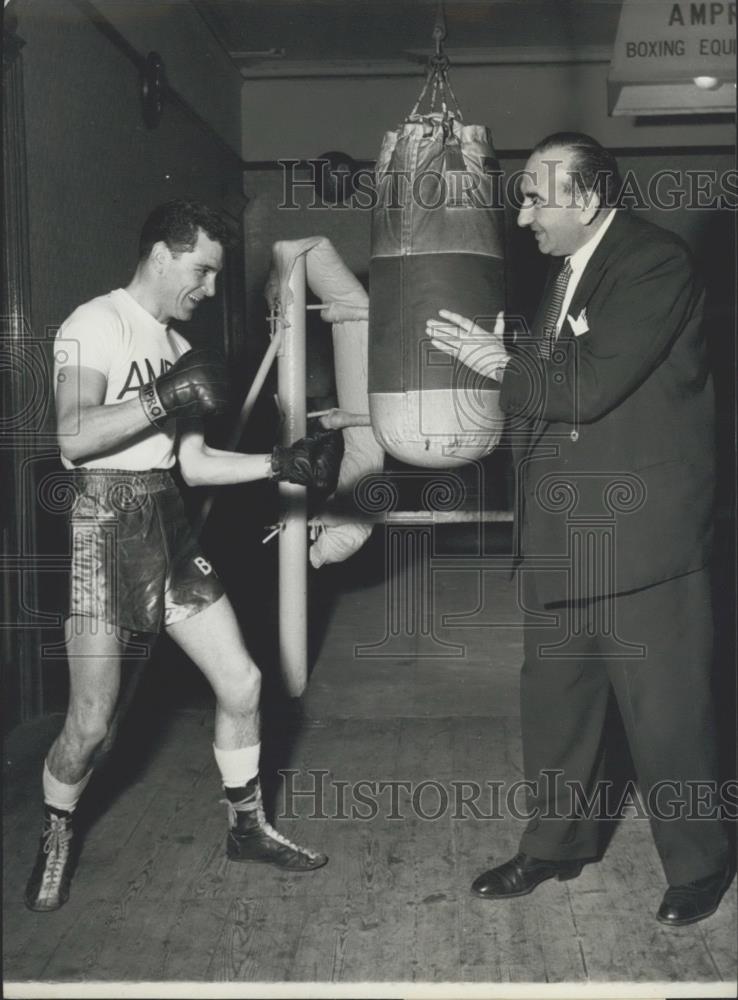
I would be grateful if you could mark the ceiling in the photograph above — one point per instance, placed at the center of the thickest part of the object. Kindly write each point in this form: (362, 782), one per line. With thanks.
(310, 32)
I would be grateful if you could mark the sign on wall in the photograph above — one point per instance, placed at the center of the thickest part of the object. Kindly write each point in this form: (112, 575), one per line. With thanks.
(674, 58)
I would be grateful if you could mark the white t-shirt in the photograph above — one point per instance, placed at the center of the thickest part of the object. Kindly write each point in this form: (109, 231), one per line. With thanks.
(116, 336)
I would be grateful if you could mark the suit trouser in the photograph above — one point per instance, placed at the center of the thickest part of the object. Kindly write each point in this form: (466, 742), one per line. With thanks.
(664, 698)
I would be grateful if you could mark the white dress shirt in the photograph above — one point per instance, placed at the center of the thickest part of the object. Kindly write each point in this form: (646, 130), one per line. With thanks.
(578, 262)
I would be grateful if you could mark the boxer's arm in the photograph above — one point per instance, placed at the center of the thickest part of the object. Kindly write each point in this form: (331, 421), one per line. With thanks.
(202, 465)
(313, 461)
(85, 427)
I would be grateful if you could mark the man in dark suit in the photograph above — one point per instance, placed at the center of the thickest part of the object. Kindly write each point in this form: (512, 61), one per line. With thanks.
(610, 408)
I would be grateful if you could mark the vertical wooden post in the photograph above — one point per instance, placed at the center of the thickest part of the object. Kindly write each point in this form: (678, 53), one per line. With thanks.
(293, 502)
(20, 638)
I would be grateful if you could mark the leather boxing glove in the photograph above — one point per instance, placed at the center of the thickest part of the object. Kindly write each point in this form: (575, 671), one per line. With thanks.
(196, 385)
(313, 461)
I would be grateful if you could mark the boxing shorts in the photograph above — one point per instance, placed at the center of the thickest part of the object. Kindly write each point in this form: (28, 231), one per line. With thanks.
(136, 562)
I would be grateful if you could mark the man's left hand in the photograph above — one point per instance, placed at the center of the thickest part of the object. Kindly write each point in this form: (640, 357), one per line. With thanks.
(313, 461)
(481, 350)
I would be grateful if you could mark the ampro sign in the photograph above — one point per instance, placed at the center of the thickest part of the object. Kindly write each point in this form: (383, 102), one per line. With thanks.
(673, 58)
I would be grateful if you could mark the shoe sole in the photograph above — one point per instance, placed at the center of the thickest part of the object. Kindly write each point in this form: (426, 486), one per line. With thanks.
(44, 909)
(560, 877)
(702, 916)
(689, 920)
(275, 864)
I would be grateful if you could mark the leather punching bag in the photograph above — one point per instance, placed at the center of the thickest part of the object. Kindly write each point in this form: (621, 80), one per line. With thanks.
(437, 243)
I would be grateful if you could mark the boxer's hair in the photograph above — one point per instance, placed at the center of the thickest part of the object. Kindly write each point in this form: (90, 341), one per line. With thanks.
(592, 168)
(176, 223)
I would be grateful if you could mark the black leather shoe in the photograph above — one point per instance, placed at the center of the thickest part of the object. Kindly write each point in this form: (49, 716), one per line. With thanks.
(521, 875)
(686, 904)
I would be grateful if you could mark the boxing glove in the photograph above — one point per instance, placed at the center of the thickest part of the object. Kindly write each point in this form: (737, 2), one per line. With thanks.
(313, 461)
(196, 385)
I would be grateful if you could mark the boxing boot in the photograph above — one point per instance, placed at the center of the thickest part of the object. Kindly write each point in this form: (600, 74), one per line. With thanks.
(251, 838)
(48, 885)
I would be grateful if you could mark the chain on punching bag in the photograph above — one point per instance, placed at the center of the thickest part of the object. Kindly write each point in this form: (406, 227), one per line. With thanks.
(437, 243)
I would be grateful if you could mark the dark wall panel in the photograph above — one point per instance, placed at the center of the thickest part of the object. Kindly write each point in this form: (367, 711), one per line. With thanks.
(94, 171)
(94, 168)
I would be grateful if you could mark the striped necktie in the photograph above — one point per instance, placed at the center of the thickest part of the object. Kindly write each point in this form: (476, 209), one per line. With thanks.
(553, 310)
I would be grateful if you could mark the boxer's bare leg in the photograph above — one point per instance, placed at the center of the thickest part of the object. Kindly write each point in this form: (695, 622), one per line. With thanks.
(213, 641)
(94, 652)
(130, 679)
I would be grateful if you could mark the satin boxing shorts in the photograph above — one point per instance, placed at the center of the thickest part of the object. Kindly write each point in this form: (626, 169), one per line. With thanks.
(136, 562)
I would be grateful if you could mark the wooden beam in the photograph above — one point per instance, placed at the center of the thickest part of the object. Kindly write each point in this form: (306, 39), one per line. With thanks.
(416, 61)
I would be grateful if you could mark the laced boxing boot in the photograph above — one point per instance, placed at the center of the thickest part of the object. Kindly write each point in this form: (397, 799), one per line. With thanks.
(251, 838)
(48, 886)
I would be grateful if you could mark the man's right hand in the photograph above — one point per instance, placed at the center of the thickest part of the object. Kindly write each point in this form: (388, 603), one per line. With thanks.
(481, 350)
(196, 385)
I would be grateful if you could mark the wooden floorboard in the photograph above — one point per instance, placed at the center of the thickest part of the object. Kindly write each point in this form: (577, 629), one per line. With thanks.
(400, 678)
(155, 898)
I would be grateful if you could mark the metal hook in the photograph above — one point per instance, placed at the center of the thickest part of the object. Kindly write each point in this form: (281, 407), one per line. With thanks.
(439, 31)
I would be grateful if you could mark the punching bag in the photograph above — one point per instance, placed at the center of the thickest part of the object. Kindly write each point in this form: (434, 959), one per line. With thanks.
(437, 243)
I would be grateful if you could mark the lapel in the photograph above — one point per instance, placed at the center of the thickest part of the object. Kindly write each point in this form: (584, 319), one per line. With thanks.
(617, 233)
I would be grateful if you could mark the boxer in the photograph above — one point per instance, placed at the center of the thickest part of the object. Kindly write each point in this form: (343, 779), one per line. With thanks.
(130, 398)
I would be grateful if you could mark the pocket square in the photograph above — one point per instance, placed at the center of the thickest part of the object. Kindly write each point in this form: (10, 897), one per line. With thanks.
(580, 324)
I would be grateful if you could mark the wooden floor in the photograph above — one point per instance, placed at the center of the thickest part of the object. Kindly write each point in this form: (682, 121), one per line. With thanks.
(155, 899)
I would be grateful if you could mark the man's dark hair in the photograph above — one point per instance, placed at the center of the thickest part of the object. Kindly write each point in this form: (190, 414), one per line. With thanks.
(176, 223)
(592, 168)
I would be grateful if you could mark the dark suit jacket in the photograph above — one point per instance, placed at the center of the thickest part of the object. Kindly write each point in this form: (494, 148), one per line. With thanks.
(614, 436)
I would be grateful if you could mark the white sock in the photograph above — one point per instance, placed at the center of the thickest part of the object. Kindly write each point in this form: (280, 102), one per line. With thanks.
(237, 767)
(59, 795)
